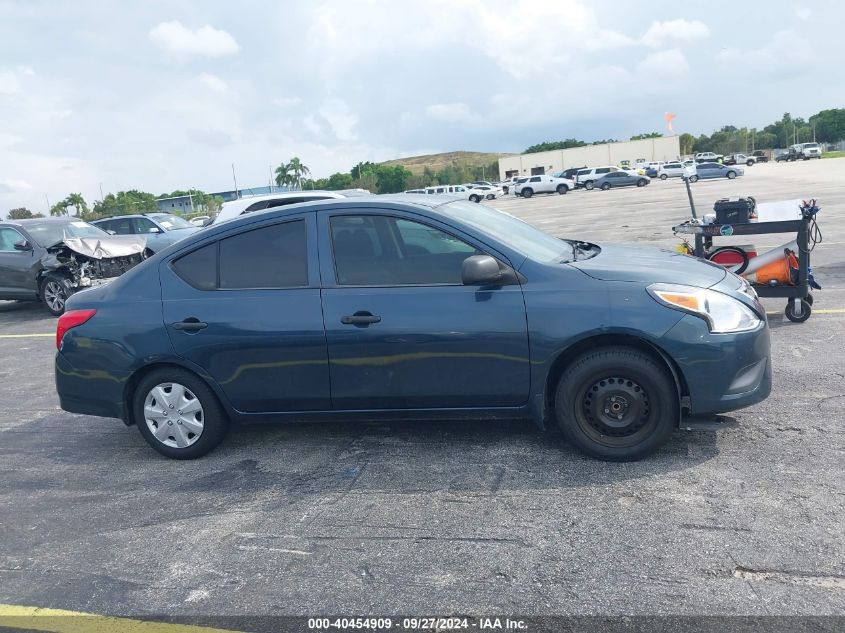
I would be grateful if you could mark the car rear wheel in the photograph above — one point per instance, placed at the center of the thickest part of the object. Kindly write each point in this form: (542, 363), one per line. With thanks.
(693, 178)
(527, 192)
(178, 414)
(55, 290)
(749, 162)
(642, 182)
(616, 404)
(731, 175)
(605, 186)
(562, 189)
(663, 176)
(588, 184)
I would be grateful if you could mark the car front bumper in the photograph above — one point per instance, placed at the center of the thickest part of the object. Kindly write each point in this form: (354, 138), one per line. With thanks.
(721, 372)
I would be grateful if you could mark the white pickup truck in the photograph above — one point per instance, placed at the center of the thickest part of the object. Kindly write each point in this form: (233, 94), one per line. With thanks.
(543, 184)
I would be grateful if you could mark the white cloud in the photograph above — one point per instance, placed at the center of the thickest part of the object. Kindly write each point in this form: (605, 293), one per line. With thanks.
(660, 33)
(286, 102)
(803, 13)
(668, 62)
(340, 118)
(206, 41)
(450, 112)
(11, 185)
(213, 82)
(770, 59)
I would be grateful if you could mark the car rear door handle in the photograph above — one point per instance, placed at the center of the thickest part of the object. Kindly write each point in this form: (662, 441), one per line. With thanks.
(360, 318)
(190, 325)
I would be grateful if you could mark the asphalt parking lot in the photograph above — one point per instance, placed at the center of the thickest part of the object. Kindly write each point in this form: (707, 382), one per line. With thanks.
(464, 517)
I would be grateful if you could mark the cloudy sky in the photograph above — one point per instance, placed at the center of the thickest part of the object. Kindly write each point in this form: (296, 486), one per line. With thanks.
(160, 95)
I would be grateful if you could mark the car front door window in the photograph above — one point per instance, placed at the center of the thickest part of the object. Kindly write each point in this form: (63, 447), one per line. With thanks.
(374, 250)
(8, 238)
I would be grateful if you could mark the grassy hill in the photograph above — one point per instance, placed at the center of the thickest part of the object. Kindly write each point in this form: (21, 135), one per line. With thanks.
(416, 164)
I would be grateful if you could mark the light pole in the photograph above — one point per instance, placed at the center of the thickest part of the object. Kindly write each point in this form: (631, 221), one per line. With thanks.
(235, 179)
(101, 192)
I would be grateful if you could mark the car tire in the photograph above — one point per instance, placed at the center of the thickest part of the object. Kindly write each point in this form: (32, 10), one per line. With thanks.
(588, 185)
(490, 196)
(749, 162)
(562, 189)
(663, 177)
(209, 418)
(54, 291)
(474, 198)
(731, 175)
(693, 178)
(619, 379)
(605, 186)
(642, 182)
(527, 192)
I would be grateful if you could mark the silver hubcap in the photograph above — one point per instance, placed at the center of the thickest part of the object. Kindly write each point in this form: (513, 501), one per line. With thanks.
(173, 415)
(54, 295)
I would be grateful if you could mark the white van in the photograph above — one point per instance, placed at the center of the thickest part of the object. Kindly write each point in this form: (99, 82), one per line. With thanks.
(460, 191)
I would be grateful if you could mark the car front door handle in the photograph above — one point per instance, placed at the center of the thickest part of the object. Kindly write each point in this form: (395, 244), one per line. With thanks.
(360, 318)
(190, 325)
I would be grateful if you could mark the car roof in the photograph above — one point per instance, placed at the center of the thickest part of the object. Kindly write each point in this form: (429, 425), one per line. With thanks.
(30, 221)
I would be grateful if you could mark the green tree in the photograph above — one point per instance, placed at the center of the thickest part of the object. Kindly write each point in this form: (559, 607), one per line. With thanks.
(640, 137)
(339, 181)
(59, 209)
(76, 201)
(551, 145)
(21, 213)
(686, 141)
(298, 170)
(392, 179)
(361, 168)
(125, 203)
(829, 125)
(283, 175)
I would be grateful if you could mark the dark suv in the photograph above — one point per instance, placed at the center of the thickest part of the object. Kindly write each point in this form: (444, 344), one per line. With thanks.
(160, 229)
(50, 259)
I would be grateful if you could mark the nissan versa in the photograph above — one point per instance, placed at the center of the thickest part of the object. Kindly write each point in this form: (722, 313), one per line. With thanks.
(411, 307)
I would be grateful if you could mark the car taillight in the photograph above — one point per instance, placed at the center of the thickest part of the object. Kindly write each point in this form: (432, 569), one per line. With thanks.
(69, 320)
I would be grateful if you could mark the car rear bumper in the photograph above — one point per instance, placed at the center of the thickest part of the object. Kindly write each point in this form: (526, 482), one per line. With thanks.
(89, 393)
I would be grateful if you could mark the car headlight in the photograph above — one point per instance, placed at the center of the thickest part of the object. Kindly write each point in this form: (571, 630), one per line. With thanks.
(723, 313)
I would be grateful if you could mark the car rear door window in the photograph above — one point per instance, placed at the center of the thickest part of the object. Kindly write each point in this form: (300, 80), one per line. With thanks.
(371, 250)
(199, 267)
(269, 257)
(602, 170)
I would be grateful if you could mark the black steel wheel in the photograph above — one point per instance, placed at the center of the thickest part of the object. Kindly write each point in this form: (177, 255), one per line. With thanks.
(795, 317)
(617, 404)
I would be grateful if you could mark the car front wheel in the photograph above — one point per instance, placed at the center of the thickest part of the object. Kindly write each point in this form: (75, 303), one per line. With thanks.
(562, 189)
(55, 290)
(693, 178)
(642, 182)
(663, 176)
(178, 414)
(474, 198)
(731, 175)
(527, 192)
(616, 404)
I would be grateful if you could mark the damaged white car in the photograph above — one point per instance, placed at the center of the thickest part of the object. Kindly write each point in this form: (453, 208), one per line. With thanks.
(50, 259)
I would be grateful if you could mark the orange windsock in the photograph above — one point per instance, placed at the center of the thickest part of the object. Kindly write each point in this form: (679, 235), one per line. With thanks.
(669, 116)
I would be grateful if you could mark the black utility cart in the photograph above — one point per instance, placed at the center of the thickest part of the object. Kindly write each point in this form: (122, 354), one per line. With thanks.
(800, 300)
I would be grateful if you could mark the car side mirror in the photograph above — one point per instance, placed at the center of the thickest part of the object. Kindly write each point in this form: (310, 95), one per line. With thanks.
(23, 245)
(154, 229)
(111, 231)
(480, 270)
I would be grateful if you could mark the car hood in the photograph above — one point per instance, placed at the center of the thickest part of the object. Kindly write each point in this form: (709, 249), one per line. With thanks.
(104, 247)
(627, 263)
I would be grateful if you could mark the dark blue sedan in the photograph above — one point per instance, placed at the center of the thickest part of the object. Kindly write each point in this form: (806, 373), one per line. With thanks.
(411, 307)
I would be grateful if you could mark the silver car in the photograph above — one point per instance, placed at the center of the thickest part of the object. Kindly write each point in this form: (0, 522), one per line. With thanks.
(620, 179)
(715, 170)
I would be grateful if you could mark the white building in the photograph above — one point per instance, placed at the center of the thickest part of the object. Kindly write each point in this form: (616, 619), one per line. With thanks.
(662, 148)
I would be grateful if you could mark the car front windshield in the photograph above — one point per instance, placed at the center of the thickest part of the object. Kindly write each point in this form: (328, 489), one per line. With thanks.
(511, 231)
(172, 222)
(48, 233)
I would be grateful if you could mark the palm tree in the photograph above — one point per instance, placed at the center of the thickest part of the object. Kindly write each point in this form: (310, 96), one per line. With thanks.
(298, 170)
(76, 201)
(283, 175)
